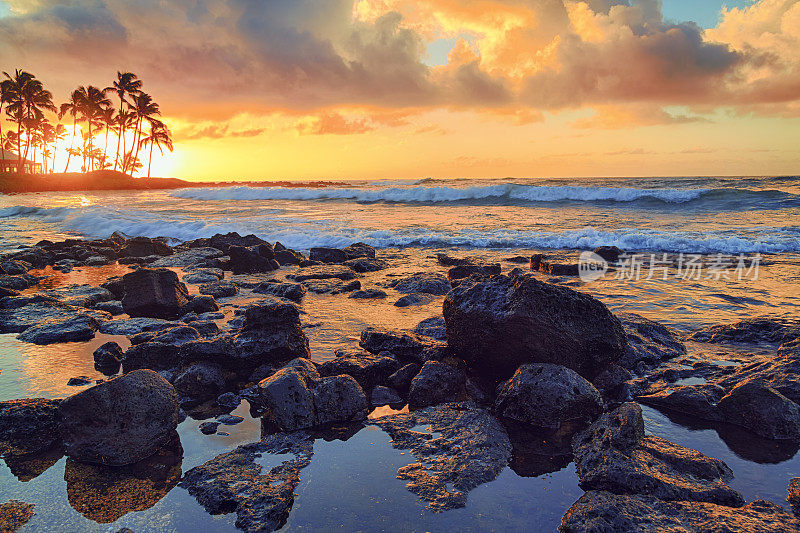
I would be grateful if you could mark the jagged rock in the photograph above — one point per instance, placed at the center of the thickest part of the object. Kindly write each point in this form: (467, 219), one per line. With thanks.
(433, 327)
(120, 421)
(384, 396)
(154, 293)
(18, 283)
(368, 294)
(331, 286)
(446, 260)
(699, 401)
(462, 448)
(80, 295)
(260, 496)
(28, 426)
(539, 263)
(259, 258)
(200, 304)
(14, 268)
(609, 253)
(271, 334)
(108, 357)
(762, 410)
(10, 292)
(547, 395)
(208, 428)
(79, 381)
(781, 372)
(199, 382)
(229, 401)
(290, 291)
(144, 247)
(368, 369)
(230, 420)
(613, 383)
(115, 286)
(749, 330)
(615, 455)
(74, 329)
(224, 241)
(601, 512)
(648, 342)
(288, 257)
(794, 496)
(133, 326)
(495, 325)
(187, 258)
(14, 514)
(436, 383)
(426, 282)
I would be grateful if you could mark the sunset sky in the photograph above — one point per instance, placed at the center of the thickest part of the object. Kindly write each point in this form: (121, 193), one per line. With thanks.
(302, 89)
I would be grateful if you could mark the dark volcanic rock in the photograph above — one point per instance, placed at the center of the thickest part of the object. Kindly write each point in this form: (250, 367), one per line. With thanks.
(365, 264)
(547, 395)
(433, 327)
(539, 263)
(368, 369)
(107, 358)
(358, 250)
(613, 383)
(194, 257)
(750, 331)
(18, 313)
(781, 372)
(457, 273)
(648, 342)
(327, 255)
(609, 253)
(28, 426)
(288, 257)
(176, 336)
(381, 396)
(324, 272)
(14, 514)
(80, 295)
(120, 421)
(436, 383)
(446, 260)
(224, 241)
(401, 345)
(133, 326)
(794, 495)
(199, 382)
(144, 247)
(200, 304)
(113, 306)
(602, 512)
(339, 399)
(290, 291)
(154, 293)
(271, 334)
(77, 328)
(699, 401)
(401, 380)
(762, 410)
(497, 324)
(463, 448)
(152, 355)
(259, 258)
(426, 282)
(615, 455)
(368, 294)
(219, 289)
(410, 300)
(236, 482)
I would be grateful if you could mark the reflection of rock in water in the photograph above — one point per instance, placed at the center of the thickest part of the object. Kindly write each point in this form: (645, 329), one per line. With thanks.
(105, 493)
(471, 448)
(261, 496)
(28, 467)
(743, 443)
(541, 451)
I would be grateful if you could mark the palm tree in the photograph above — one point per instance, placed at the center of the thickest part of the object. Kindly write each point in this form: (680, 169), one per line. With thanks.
(127, 84)
(144, 108)
(94, 102)
(73, 107)
(159, 136)
(27, 101)
(4, 95)
(107, 118)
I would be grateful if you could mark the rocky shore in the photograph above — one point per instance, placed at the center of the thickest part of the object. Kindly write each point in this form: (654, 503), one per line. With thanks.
(518, 363)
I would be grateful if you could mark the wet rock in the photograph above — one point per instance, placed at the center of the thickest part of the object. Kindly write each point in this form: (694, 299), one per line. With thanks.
(615, 455)
(152, 355)
(433, 327)
(402, 346)
(187, 258)
(203, 275)
(539, 263)
(120, 421)
(18, 313)
(613, 383)
(426, 282)
(7, 292)
(749, 330)
(367, 369)
(497, 324)
(259, 258)
(199, 382)
(462, 448)
(228, 401)
(219, 289)
(260, 496)
(365, 264)
(115, 286)
(28, 426)
(648, 342)
(209, 427)
(107, 358)
(359, 250)
(457, 273)
(290, 291)
(80, 295)
(14, 268)
(401, 380)
(436, 383)
(331, 286)
(104, 494)
(154, 293)
(288, 257)
(144, 247)
(113, 306)
(762, 410)
(230, 420)
(224, 241)
(175, 336)
(446, 260)
(327, 255)
(415, 299)
(381, 396)
(133, 326)
(547, 395)
(794, 496)
(288, 396)
(80, 381)
(271, 334)
(324, 272)
(17, 283)
(368, 294)
(600, 511)
(75, 329)
(14, 514)
(699, 401)
(609, 253)
(339, 399)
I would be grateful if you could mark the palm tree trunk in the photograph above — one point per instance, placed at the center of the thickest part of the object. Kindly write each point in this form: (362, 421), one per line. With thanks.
(20, 168)
(120, 133)
(150, 159)
(71, 141)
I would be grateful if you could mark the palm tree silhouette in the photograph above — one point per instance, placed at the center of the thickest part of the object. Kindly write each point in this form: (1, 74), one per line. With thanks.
(143, 108)
(126, 84)
(27, 101)
(73, 107)
(159, 136)
(94, 103)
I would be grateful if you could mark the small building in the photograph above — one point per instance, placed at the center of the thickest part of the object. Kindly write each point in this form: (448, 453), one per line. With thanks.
(10, 160)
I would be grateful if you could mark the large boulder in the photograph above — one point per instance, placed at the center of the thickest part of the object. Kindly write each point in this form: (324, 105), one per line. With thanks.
(368, 369)
(358, 250)
(154, 293)
(762, 410)
(199, 382)
(436, 383)
(427, 283)
(339, 399)
(74, 329)
(254, 259)
(28, 426)
(547, 395)
(327, 255)
(107, 358)
(271, 333)
(120, 421)
(497, 324)
(145, 247)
